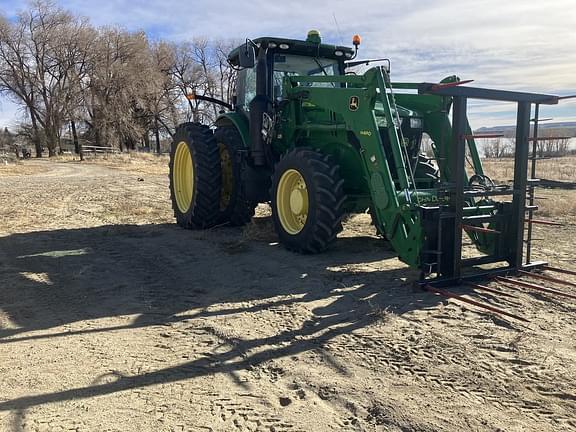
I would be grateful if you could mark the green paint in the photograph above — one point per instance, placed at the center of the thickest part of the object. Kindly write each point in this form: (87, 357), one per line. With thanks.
(357, 119)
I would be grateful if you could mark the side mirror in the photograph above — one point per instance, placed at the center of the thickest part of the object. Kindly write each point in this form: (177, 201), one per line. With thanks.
(247, 56)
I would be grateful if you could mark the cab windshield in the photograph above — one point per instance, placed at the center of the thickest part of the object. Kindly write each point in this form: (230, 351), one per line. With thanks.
(292, 65)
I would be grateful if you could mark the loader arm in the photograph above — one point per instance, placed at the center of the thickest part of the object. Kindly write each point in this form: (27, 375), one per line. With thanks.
(394, 202)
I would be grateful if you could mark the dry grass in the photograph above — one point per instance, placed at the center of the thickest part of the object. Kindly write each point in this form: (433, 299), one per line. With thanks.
(8, 158)
(558, 204)
(19, 168)
(559, 169)
(553, 203)
(140, 163)
(143, 163)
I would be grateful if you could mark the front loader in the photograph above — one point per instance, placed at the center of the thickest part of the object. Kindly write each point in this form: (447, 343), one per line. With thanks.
(317, 141)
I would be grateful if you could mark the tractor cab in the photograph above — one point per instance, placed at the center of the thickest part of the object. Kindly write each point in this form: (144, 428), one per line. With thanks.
(266, 63)
(273, 59)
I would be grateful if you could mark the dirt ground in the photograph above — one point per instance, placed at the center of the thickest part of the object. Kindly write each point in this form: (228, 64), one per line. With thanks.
(114, 319)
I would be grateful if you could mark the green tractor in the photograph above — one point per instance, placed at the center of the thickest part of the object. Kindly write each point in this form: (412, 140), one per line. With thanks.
(317, 141)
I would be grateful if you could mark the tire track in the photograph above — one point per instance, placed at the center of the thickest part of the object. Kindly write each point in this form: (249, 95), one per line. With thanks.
(422, 362)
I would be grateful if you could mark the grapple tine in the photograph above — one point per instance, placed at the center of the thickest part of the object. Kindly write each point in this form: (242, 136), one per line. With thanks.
(543, 222)
(487, 289)
(547, 278)
(529, 285)
(559, 270)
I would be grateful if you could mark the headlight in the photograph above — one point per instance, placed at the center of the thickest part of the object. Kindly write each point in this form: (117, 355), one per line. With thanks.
(339, 53)
(415, 123)
(272, 45)
(284, 46)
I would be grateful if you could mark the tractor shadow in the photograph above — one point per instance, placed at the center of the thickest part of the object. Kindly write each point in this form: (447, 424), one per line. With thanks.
(162, 274)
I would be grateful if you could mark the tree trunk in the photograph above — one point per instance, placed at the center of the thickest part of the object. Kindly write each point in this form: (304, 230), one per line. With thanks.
(147, 141)
(75, 137)
(157, 134)
(51, 141)
(97, 138)
(77, 144)
(35, 134)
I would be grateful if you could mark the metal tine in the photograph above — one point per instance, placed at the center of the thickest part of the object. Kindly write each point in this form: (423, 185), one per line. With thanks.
(547, 278)
(543, 222)
(488, 289)
(493, 309)
(559, 270)
(480, 229)
(529, 285)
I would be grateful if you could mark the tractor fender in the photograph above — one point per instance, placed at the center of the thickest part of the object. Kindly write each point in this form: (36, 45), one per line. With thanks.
(237, 120)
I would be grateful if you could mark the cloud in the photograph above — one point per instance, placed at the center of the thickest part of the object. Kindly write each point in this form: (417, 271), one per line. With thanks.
(515, 45)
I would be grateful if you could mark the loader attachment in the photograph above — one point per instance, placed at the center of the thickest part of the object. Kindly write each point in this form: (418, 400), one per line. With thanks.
(425, 225)
(495, 226)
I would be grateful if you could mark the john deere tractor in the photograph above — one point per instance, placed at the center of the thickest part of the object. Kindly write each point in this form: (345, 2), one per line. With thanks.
(316, 140)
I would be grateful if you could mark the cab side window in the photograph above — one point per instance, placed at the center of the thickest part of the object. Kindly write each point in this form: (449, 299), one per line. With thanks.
(246, 87)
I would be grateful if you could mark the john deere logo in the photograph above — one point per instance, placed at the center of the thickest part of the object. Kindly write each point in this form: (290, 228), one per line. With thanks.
(354, 103)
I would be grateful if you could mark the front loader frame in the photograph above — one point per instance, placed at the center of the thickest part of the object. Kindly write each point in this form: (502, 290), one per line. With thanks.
(450, 219)
(431, 237)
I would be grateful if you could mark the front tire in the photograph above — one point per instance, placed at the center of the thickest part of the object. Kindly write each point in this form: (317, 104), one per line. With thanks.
(195, 177)
(307, 200)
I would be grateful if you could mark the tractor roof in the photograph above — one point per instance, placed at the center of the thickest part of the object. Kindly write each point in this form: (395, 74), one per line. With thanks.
(298, 47)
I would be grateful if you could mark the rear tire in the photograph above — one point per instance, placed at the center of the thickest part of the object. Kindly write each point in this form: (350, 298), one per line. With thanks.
(307, 200)
(195, 176)
(235, 208)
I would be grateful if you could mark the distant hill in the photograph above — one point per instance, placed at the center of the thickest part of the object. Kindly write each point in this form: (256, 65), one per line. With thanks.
(564, 128)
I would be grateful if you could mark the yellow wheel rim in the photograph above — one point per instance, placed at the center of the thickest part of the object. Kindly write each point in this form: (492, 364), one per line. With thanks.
(183, 177)
(292, 201)
(227, 176)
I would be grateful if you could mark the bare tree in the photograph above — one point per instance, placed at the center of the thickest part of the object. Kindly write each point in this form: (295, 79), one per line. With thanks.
(43, 54)
(117, 84)
(8, 141)
(16, 75)
(161, 95)
(498, 147)
(201, 67)
(552, 143)
(188, 78)
(227, 75)
(118, 75)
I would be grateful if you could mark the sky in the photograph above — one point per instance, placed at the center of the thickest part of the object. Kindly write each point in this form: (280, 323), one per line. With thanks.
(524, 45)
